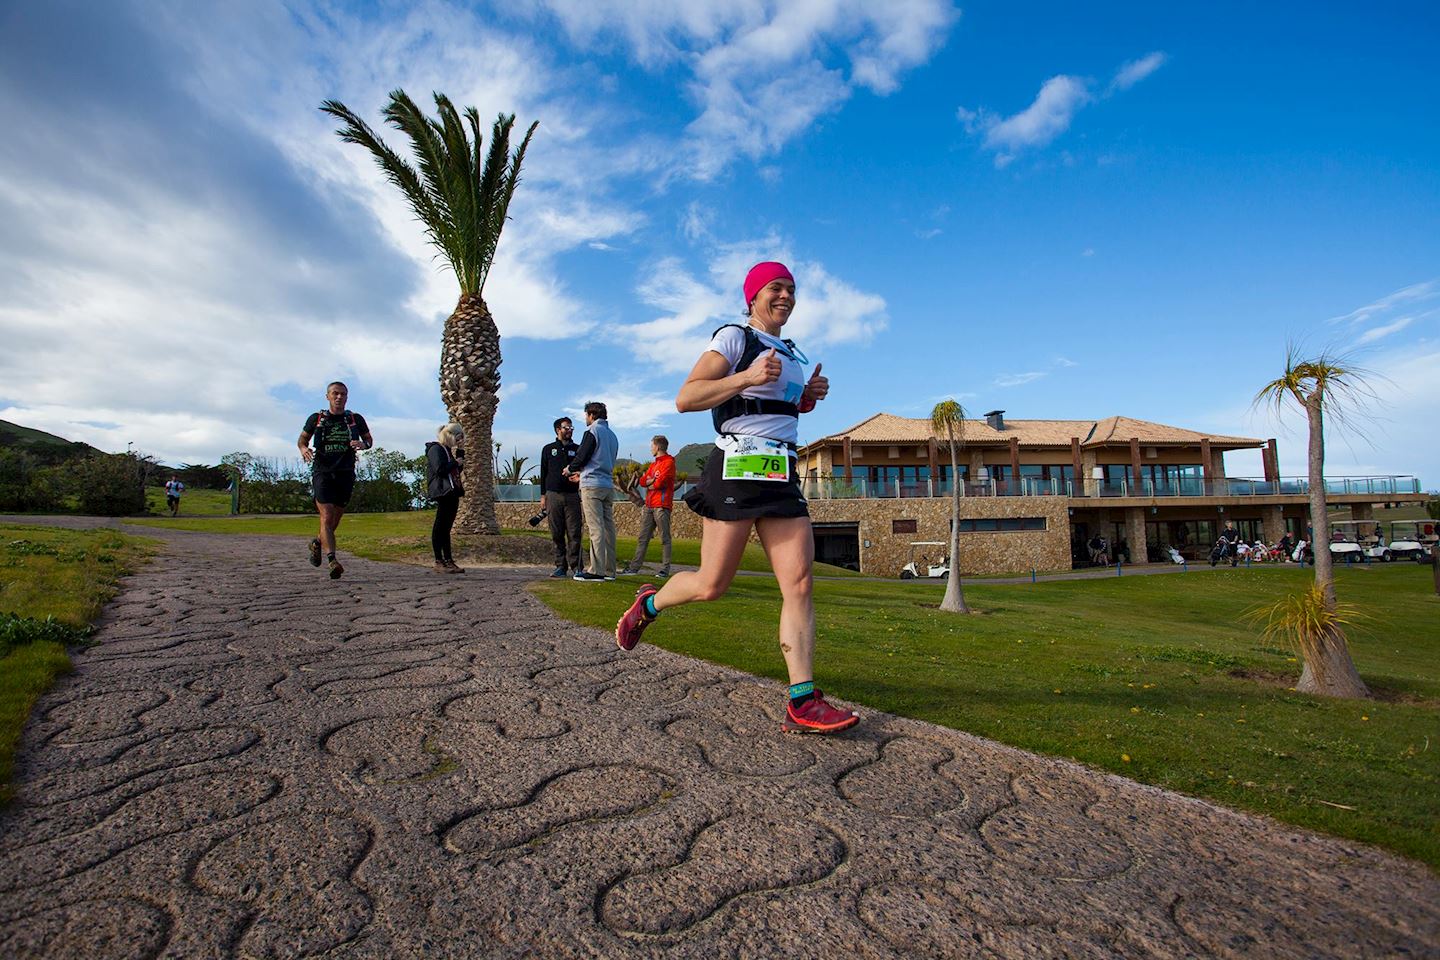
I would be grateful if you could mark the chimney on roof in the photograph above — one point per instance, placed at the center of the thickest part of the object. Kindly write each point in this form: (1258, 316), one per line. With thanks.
(996, 419)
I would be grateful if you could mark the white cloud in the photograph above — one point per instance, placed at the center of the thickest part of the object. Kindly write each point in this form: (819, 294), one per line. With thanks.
(1415, 293)
(1019, 379)
(761, 71)
(696, 221)
(1051, 112)
(1136, 70)
(1377, 333)
(829, 311)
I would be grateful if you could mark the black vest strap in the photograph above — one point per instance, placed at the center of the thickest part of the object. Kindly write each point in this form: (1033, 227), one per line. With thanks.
(739, 406)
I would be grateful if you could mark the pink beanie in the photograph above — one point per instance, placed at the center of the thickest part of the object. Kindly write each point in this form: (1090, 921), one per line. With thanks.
(763, 273)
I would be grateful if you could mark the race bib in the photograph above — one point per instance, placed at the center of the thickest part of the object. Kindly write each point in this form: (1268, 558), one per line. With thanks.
(757, 458)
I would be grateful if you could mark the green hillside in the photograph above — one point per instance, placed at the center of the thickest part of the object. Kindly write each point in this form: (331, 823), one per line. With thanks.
(41, 445)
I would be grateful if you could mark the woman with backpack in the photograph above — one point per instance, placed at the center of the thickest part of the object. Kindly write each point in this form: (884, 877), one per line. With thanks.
(444, 461)
(753, 383)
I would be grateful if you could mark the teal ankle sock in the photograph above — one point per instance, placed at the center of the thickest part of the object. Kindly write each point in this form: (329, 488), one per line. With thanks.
(802, 693)
(649, 606)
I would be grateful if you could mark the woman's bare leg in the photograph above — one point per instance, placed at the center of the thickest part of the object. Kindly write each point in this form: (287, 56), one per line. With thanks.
(790, 545)
(721, 547)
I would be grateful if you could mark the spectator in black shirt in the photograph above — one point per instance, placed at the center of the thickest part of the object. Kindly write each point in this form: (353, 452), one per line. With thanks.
(561, 496)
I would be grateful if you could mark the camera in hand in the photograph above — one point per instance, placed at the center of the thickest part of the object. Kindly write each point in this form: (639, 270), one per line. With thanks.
(539, 518)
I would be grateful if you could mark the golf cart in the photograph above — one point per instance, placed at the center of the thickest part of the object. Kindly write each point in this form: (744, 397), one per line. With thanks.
(1358, 540)
(1413, 539)
(922, 566)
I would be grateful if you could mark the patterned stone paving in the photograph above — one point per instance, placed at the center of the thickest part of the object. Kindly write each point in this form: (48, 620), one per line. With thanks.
(258, 762)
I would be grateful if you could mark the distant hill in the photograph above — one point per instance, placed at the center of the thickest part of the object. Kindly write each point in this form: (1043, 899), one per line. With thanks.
(43, 446)
(687, 460)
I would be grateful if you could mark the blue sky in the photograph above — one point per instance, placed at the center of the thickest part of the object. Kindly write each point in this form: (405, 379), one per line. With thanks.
(1061, 211)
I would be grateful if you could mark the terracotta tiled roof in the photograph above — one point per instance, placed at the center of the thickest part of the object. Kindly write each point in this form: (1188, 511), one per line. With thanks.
(888, 428)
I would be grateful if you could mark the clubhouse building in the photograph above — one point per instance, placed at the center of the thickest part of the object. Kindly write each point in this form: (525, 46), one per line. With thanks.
(1034, 492)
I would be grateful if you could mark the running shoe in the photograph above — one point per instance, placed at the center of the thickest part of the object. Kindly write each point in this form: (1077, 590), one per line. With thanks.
(635, 620)
(315, 552)
(558, 574)
(817, 716)
(454, 567)
(336, 569)
(586, 577)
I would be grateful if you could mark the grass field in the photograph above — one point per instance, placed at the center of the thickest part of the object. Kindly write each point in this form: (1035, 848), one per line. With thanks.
(67, 575)
(406, 536)
(194, 502)
(1155, 678)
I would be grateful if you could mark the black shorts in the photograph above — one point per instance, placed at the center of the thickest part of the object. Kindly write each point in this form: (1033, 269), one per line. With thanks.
(719, 499)
(333, 488)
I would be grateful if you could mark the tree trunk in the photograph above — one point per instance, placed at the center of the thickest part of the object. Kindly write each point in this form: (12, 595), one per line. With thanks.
(1330, 671)
(954, 600)
(1319, 509)
(469, 387)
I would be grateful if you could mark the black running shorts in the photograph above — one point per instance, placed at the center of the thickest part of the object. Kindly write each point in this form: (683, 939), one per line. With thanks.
(333, 488)
(720, 499)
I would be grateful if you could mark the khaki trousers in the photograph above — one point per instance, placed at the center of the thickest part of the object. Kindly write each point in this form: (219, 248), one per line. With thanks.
(600, 524)
(653, 517)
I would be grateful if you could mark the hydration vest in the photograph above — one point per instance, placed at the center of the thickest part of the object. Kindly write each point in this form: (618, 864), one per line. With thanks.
(320, 418)
(739, 406)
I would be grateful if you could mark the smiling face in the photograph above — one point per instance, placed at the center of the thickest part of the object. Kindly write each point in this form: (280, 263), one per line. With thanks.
(337, 395)
(565, 431)
(773, 305)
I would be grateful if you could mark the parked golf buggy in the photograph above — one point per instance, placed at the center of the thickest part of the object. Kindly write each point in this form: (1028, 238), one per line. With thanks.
(1358, 541)
(922, 565)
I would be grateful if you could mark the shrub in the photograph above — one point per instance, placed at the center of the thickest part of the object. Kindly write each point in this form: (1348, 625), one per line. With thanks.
(28, 486)
(17, 631)
(111, 485)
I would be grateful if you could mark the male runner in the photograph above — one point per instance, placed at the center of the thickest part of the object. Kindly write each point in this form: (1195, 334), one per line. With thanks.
(173, 489)
(337, 433)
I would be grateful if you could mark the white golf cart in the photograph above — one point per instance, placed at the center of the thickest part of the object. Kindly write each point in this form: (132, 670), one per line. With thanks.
(1413, 539)
(1355, 541)
(922, 566)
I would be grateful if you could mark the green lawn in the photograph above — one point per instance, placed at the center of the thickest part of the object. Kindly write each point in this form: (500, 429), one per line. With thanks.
(65, 575)
(406, 536)
(1155, 678)
(194, 502)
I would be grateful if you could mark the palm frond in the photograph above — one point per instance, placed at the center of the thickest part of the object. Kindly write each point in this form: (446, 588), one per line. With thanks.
(460, 199)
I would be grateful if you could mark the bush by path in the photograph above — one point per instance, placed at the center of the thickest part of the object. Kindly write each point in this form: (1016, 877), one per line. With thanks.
(1154, 678)
(53, 584)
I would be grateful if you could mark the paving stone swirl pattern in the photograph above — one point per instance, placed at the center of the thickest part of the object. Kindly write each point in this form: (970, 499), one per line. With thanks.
(258, 762)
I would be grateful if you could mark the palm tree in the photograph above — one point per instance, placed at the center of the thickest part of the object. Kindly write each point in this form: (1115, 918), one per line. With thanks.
(1324, 384)
(949, 417)
(461, 199)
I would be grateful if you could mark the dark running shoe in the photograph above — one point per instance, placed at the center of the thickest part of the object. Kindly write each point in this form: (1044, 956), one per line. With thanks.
(454, 567)
(585, 577)
(635, 620)
(336, 570)
(315, 552)
(817, 716)
(558, 574)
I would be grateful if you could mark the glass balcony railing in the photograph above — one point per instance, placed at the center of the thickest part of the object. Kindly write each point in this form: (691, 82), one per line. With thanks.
(860, 488)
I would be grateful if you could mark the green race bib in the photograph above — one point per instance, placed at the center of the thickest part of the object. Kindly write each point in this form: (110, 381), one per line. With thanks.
(757, 458)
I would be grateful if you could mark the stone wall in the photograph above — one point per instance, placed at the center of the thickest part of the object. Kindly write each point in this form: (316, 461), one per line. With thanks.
(1006, 552)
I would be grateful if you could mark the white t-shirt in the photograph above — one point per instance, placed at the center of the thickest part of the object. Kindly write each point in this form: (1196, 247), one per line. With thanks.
(729, 342)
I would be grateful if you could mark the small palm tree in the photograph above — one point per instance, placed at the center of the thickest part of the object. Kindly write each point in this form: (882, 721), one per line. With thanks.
(1326, 384)
(460, 195)
(948, 418)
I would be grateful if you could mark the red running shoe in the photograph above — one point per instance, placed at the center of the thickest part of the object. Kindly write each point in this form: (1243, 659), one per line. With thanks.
(630, 626)
(817, 716)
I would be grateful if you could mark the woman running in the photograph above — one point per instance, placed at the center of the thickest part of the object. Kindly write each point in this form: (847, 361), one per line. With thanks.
(753, 383)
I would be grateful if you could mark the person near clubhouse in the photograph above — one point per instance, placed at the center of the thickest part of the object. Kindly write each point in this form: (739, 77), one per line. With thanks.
(337, 434)
(444, 463)
(753, 382)
(594, 467)
(560, 494)
(659, 483)
(173, 489)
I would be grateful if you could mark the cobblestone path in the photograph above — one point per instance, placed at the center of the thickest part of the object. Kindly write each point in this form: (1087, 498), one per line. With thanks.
(258, 762)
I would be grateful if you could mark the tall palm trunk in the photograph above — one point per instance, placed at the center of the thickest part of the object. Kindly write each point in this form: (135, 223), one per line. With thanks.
(1331, 673)
(469, 387)
(954, 600)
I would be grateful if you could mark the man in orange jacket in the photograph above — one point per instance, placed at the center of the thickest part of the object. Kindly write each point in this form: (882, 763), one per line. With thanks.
(659, 483)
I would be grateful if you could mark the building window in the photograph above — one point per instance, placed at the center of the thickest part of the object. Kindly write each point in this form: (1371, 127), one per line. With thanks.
(903, 526)
(1003, 525)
